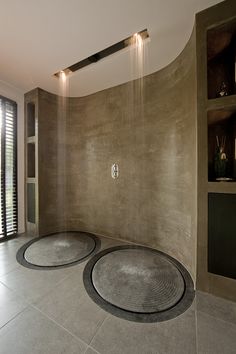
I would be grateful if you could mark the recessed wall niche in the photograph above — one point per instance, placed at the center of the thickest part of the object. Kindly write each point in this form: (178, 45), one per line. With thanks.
(222, 135)
(31, 160)
(30, 119)
(221, 53)
(31, 202)
(221, 234)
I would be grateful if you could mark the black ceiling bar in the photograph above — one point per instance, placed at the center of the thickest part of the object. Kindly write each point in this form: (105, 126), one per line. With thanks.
(103, 53)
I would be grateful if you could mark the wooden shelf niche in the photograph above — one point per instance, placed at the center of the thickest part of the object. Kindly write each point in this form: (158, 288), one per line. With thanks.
(221, 54)
(30, 119)
(222, 124)
(31, 160)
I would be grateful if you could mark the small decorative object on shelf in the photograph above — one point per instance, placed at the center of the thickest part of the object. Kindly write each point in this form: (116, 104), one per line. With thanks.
(220, 163)
(223, 90)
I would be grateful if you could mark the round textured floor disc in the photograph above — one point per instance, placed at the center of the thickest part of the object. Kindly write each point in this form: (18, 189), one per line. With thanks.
(59, 249)
(138, 283)
(138, 280)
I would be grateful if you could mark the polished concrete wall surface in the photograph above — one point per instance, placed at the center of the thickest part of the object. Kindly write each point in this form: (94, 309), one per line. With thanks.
(152, 138)
(52, 154)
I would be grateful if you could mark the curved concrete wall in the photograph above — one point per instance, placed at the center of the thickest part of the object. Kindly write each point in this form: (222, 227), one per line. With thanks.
(153, 202)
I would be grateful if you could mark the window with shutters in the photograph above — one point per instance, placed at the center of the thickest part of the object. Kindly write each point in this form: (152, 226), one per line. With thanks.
(8, 167)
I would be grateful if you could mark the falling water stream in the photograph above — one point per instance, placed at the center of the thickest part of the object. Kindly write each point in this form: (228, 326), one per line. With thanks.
(138, 62)
(136, 93)
(136, 112)
(62, 152)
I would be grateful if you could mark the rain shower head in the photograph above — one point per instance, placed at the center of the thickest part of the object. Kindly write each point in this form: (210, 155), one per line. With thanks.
(104, 53)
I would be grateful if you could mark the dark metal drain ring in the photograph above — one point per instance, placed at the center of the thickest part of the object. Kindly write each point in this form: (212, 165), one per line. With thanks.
(182, 304)
(20, 256)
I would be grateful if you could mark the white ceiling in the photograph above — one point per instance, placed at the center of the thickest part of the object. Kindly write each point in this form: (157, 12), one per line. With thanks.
(39, 38)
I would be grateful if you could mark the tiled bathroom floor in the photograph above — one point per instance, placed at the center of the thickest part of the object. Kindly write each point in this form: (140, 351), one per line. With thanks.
(49, 312)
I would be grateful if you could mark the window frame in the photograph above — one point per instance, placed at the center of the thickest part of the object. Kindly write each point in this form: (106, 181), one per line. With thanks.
(5, 234)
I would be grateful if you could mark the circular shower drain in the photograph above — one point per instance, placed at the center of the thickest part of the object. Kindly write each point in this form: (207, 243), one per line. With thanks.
(138, 283)
(58, 250)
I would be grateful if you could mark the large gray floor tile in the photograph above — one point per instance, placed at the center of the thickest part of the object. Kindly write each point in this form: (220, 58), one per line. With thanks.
(216, 306)
(57, 302)
(33, 333)
(69, 305)
(8, 261)
(117, 336)
(8, 250)
(215, 336)
(91, 351)
(10, 304)
(7, 266)
(33, 284)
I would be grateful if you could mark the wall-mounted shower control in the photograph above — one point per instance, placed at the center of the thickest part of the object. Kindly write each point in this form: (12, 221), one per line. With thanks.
(114, 171)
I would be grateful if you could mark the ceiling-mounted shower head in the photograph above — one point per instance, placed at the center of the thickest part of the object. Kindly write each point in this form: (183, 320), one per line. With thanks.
(103, 53)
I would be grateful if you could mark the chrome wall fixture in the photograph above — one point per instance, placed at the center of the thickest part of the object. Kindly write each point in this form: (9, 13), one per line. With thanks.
(114, 171)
